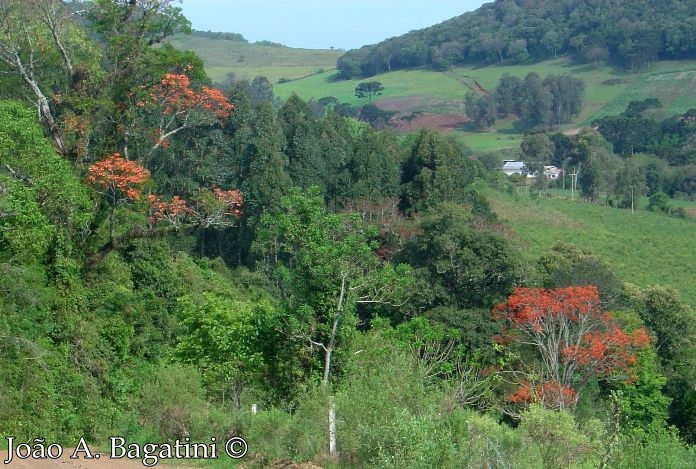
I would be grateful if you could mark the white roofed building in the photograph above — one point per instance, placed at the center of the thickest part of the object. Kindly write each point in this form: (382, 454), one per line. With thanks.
(511, 167)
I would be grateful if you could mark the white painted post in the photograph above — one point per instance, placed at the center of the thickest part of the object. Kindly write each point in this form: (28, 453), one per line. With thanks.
(332, 426)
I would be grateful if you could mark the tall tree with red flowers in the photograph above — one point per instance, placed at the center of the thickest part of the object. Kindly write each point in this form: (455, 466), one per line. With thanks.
(118, 180)
(170, 106)
(121, 182)
(573, 341)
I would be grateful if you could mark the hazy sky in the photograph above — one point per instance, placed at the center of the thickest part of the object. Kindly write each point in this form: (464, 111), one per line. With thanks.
(320, 24)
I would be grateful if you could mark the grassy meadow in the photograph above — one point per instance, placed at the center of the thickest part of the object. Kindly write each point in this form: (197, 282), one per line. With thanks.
(424, 84)
(607, 91)
(490, 141)
(248, 60)
(602, 83)
(646, 248)
(672, 82)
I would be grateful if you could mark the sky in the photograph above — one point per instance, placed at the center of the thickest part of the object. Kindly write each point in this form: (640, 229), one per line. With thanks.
(321, 24)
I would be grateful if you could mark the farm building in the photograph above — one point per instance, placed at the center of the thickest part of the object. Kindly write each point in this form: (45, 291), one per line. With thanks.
(552, 172)
(511, 167)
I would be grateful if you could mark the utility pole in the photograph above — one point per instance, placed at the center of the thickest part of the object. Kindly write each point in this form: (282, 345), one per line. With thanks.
(573, 183)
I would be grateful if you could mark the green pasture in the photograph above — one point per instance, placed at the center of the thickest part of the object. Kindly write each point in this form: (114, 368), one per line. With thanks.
(248, 60)
(403, 83)
(683, 203)
(274, 74)
(672, 82)
(602, 83)
(607, 90)
(645, 248)
(487, 141)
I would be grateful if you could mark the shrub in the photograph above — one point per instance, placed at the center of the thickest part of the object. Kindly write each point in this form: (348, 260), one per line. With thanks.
(279, 434)
(659, 201)
(173, 404)
(657, 448)
(441, 65)
(558, 439)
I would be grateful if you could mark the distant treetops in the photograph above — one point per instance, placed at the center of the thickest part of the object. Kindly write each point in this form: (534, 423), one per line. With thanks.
(627, 34)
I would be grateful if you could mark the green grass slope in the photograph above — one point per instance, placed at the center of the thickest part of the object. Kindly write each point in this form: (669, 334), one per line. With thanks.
(248, 60)
(434, 89)
(608, 91)
(646, 248)
(672, 82)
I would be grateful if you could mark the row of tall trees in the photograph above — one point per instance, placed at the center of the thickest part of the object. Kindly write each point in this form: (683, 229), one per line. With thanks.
(538, 103)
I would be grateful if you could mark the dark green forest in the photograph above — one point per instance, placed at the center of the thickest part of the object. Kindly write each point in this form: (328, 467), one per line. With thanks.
(172, 252)
(630, 35)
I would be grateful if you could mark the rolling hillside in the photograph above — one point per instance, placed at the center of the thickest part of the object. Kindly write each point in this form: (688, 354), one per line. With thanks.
(423, 97)
(608, 91)
(623, 51)
(248, 60)
(437, 97)
(628, 34)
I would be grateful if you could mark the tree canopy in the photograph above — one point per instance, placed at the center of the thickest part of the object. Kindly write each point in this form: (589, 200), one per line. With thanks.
(631, 36)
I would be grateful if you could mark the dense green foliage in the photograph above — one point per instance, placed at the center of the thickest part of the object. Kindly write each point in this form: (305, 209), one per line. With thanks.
(167, 260)
(544, 103)
(637, 131)
(629, 34)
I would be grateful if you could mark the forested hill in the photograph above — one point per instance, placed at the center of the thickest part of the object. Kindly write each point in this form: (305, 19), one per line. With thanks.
(629, 34)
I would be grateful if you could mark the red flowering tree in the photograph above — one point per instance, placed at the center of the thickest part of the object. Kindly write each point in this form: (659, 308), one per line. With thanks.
(209, 208)
(172, 105)
(573, 340)
(174, 212)
(118, 180)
